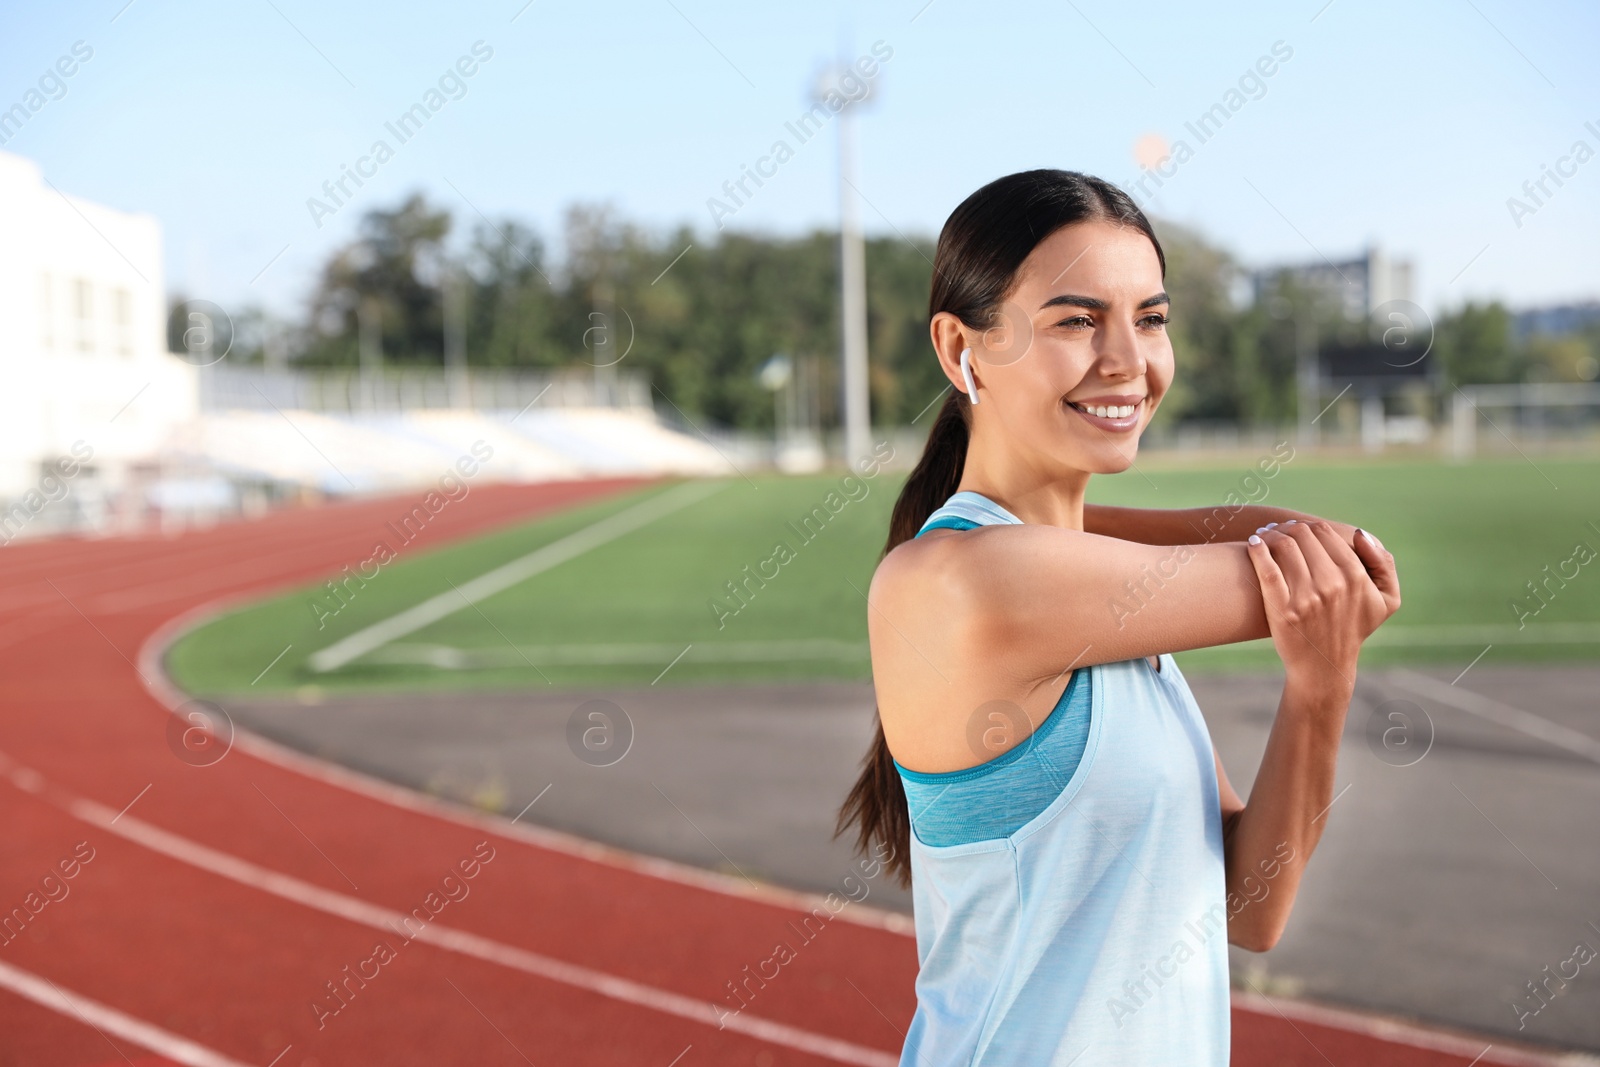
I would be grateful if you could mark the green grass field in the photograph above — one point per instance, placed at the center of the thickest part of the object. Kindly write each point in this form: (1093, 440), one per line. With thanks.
(1467, 539)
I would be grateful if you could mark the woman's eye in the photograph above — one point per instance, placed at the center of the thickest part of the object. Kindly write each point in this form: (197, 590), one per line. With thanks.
(1154, 322)
(1077, 322)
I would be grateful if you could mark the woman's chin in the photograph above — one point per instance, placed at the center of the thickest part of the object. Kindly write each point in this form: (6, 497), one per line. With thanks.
(1100, 458)
(1116, 462)
(1105, 455)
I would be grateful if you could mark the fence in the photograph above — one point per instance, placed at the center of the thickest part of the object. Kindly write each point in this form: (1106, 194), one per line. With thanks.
(392, 389)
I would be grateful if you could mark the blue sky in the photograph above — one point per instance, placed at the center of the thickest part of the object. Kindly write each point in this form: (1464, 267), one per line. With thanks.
(1408, 124)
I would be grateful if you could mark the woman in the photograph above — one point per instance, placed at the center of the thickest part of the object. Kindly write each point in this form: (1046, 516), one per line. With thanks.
(1041, 773)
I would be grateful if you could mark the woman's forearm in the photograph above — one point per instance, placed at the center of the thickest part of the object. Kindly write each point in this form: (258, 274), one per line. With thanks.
(1268, 843)
(1190, 526)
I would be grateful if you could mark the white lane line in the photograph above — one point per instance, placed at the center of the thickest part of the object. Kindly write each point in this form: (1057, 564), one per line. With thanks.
(390, 921)
(1501, 714)
(1399, 1032)
(324, 772)
(165, 1043)
(504, 577)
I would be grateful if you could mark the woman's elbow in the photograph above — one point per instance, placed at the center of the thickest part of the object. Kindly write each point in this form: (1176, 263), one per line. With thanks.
(1259, 936)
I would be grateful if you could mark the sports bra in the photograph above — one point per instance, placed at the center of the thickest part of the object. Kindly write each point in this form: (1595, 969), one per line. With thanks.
(1000, 796)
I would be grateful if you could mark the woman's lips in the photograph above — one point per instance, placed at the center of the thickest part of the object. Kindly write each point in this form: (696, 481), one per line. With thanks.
(1115, 414)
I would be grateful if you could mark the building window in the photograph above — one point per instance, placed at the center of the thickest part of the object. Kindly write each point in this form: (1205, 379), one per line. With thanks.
(83, 314)
(122, 301)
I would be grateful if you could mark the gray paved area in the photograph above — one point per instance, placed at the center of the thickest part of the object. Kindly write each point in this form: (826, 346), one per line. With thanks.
(1441, 889)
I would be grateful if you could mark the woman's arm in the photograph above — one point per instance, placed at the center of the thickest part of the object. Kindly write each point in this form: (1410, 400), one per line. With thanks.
(959, 620)
(1322, 600)
(1192, 526)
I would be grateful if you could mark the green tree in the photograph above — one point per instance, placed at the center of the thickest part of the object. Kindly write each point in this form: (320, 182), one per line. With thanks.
(1474, 345)
(396, 266)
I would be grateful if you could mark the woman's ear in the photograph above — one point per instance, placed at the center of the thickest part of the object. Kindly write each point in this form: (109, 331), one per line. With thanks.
(950, 337)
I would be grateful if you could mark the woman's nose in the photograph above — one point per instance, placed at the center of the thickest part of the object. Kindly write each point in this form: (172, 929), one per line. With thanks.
(1120, 356)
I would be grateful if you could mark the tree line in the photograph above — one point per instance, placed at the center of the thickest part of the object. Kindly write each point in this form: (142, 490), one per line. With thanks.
(703, 314)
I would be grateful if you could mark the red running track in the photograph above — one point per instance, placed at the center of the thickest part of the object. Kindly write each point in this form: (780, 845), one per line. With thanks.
(255, 911)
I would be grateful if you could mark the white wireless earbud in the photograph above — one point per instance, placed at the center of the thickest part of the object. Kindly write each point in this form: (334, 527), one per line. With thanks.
(966, 375)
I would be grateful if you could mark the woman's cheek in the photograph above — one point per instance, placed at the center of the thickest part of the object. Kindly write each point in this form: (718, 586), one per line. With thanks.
(1158, 373)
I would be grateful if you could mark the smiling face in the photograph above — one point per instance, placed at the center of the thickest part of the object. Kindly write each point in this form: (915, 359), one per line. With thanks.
(1078, 358)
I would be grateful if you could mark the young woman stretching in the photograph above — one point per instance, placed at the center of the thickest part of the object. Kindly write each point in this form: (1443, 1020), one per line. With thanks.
(1041, 773)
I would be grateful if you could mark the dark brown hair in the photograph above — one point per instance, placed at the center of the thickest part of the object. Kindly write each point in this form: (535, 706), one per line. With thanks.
(981, 248)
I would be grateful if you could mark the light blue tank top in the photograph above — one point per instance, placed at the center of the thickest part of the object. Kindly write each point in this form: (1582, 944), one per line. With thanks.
(1096, 933)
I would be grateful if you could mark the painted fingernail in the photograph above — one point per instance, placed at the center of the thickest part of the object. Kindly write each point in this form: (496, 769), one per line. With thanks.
(1291, 522)
(1261, 529)
(1254, 540)
(1269, 525)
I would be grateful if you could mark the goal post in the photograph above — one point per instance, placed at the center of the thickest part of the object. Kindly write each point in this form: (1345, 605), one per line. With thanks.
(1531, 411)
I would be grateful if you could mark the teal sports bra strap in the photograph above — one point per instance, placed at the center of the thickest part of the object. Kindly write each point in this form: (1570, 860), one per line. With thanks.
(967, 510)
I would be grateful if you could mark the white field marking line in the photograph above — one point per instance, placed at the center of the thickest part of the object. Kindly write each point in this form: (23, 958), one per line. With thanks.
(1501, 714)
(504, 577)
(164, 1043)
(1384, 1028)
(1552, 633)
(613, 654)
(1443, 634)
(390, 921)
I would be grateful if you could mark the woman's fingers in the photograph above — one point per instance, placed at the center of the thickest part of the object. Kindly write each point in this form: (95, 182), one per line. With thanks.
(1325, 574)
(1274, 589)
(1380, 565)
(1342, 555)
(1291, 561)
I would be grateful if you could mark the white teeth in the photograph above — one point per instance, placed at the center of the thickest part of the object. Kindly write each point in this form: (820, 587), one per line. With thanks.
(1114, 411)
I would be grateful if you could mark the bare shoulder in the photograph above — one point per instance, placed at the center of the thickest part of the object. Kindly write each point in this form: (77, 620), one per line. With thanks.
(955, 581)
(938, 645)
(922, 568)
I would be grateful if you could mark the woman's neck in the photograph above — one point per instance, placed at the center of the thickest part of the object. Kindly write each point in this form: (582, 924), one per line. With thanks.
(1034, 493)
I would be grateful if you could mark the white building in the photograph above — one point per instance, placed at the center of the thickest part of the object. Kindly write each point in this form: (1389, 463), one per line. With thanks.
(90, 389)
(1357, 287)
(102, 428)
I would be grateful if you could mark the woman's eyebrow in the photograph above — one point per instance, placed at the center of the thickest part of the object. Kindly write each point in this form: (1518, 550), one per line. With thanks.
(1096, 304)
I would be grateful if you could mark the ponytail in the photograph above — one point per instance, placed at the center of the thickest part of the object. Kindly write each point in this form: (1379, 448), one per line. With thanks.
(876, 806)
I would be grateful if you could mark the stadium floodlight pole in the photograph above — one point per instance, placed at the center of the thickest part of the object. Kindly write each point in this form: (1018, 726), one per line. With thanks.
(852, 263)
(1305, 344)
(369, 340)
(774, 375)
(455, 338)
(604, 351)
